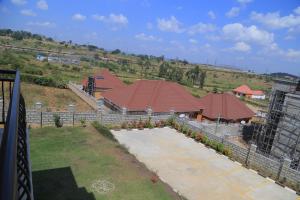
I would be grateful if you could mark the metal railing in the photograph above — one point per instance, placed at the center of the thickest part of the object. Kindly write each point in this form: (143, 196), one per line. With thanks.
(15, 168)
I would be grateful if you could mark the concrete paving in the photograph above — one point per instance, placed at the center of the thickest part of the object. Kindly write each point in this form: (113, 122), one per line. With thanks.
(195, 171)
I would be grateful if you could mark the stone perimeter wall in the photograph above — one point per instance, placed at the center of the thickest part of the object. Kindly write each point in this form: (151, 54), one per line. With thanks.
(251, 158)
(47, 118)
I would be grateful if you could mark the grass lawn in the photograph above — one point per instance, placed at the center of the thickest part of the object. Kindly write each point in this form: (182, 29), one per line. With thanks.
(67, 161)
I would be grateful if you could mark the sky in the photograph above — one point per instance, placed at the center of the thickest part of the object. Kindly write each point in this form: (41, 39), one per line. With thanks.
(259, 35)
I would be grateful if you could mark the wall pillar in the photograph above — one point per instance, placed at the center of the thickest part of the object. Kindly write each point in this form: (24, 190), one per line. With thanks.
(38, 109)
(251, 154)
(284, 166)
(124, 113)
(100, 109)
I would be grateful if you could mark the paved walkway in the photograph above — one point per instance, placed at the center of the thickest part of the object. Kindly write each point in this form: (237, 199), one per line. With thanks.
(196, 171)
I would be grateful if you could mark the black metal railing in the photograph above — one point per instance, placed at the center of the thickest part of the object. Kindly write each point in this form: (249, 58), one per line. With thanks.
(15, 167)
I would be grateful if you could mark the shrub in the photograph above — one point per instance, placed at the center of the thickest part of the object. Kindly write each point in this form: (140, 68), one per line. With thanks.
(134, 124)
(162, 123)
(76, 69)
(124, 125)
(220, 147)
(170, 121)
(103, 130)
(227, 151)
(141, 124)
(199, 137)
(189, 132)
(83, 122)
(184, 129)
(58, 123)
(156, 124)
(193, 135)
(147, 123)
(205, 140)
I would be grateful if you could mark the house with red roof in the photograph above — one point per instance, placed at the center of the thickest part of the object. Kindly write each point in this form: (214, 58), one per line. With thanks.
(225, 107)
(246, 91)
(158, 95)
(103, 81)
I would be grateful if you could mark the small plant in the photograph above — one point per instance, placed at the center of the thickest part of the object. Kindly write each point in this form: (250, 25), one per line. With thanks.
(148, 123)
(220, 148)
(162, 123)
(58, 123)
(140, 124)
(199, 137)
(157, 124)
(227, 151)
(170, 121)
(193, 135)
(83, 122)
(184, 129)
(189, 132)
(124, 125)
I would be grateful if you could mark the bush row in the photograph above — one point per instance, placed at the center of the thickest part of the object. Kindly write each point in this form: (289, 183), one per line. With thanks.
(200, 137)
(103, 130)
(45, 81)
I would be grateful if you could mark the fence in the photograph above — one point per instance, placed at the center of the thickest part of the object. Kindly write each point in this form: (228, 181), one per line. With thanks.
(280, 171)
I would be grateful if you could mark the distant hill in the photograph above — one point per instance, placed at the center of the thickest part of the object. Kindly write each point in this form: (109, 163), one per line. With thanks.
(283, 75)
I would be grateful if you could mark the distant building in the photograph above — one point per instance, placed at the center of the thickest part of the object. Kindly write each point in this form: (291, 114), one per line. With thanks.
(224, 107)
(41, 57)
(156, 95)
(68, 60)
(246, 91)
(102, 81)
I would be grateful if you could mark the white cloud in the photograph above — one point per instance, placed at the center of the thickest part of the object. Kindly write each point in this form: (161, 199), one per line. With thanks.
(193, 41)
(42, 4)
(19, 2)
(116, 19)
(241, 46)
(238, 32)
(143, 36)
(297, 10)
(233, 12)
(244, 1)
(211, 14)
(78, 17)
(42, 24)
(169, 25)
(201, 28)
(28, 12)
(293, 54)
(275, 21)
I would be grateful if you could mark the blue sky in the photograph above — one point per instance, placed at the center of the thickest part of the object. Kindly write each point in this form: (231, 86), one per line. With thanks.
(260, 35)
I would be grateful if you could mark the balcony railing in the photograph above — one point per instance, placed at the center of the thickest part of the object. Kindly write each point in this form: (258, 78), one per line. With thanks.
(15, 168)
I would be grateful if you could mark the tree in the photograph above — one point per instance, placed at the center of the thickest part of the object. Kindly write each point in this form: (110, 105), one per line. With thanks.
(147, 66)
(117, 51)
(163, 69)
(202, 79)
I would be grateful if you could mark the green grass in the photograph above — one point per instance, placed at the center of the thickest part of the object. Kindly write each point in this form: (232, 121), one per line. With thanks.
(66, 161)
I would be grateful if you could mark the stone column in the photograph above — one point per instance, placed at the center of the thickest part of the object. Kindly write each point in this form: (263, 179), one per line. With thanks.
(124, 113)
(100, 110)
(38, 108)
(149, 111)
(71, 109)
(251, 154)
(283, 168)
(172, 112)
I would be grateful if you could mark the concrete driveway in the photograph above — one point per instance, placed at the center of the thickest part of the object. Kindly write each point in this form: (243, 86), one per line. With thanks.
(195, 171)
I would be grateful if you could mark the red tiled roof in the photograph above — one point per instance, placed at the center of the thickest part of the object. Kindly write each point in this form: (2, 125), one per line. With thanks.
(226, 105)
(160, 96)
(245, 89)
(105, 80)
